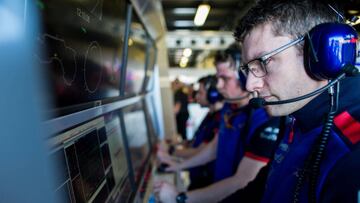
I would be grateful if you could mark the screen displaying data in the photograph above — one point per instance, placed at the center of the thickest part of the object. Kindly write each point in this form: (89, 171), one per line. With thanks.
(84, 163)
(153, 117)
(82, 43)
(138, 139)
(117, 155)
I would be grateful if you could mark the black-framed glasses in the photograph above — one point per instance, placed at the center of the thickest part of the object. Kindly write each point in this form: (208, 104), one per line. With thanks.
(257, 66)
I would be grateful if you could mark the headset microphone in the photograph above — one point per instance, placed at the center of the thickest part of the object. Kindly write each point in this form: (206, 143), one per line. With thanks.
(260, 102)
(257, 103)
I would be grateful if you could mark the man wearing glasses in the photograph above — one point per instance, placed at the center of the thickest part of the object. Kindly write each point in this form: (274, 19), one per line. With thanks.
(272, 34)
(242, 147)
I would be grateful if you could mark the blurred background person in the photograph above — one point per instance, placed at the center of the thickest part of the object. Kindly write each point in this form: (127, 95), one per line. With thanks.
(180, 107)
(208, 97)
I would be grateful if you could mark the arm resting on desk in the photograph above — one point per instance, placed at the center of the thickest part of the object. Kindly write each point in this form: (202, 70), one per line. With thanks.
(246, 172)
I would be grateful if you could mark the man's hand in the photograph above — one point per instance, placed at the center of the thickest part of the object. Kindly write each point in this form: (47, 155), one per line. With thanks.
(173, 167)
(165, 192)
(163, 156)
(162, 146)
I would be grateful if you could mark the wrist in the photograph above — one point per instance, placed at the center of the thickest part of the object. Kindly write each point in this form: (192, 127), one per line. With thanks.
(181, 197)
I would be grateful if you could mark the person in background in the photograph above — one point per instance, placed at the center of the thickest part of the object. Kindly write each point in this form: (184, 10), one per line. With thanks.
(279, 66)
(242, 147)
(180, 107)
(191, 93)
(207, 96)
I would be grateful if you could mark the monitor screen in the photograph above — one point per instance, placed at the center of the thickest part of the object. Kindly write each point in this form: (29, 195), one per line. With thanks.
(82, 44)
(135, 70)
(150, 65)
(154, 119)
(83, 162)
(116, 147)
(138, 139)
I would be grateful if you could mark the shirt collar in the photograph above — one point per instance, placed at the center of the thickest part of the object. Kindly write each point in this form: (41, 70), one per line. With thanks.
(313, 114)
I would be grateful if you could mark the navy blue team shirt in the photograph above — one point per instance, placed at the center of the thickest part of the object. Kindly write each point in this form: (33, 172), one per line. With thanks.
(202, 176)
(243, 132)
(339, 178)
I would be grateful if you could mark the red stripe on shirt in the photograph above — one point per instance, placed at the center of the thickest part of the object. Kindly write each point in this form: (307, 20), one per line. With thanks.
(256, 157)
(291, 135)
(348, 126)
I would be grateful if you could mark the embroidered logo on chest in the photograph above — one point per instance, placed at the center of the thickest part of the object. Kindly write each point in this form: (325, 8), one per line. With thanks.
(270, 133)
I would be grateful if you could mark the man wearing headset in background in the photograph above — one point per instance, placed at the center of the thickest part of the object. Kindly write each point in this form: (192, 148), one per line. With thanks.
(244, 143)
(206, 96)
(274, 54)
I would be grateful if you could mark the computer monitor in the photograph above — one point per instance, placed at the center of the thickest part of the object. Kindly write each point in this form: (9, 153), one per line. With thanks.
(91, 161)
(82, 43)
(153, 116)
(138, 138)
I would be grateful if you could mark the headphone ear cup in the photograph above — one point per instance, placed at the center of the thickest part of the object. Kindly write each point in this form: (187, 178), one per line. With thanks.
(213, 95)
(329, 50)
(235, 54)
(311, 50)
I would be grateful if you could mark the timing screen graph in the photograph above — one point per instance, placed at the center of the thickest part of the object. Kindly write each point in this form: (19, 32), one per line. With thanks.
(97, 9)
(57, 60)
(94, 51)
(79, 52)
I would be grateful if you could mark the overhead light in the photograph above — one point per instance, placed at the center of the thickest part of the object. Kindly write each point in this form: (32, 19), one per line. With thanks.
(183, 62)
(201, 14)
(187, 52)
(184, 10)
(183, 23)
(353, 12)
(184, 59)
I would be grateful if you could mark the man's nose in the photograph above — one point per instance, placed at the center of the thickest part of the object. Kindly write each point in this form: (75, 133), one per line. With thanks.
(254, 83)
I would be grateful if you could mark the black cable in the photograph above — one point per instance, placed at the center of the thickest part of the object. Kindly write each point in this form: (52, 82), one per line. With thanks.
(311, 167)
(322, 142)
(300, 180)
(315, 169)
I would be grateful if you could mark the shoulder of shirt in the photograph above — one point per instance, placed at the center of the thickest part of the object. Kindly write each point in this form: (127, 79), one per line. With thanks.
(345, 174)
(347, 123)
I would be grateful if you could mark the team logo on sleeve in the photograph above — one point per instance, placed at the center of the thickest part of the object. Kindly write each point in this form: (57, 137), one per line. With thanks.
(270, 133)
